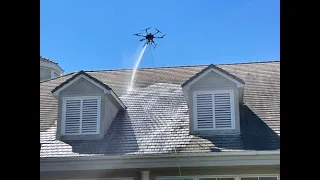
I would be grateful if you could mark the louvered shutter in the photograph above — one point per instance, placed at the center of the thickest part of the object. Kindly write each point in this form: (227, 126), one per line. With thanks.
(81, 115)
(204, 111)
(89, 116)
(72, 116)
(222, 110)
(214, 110)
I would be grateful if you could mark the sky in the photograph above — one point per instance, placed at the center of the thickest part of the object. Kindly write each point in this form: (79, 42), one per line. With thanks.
(98, 35)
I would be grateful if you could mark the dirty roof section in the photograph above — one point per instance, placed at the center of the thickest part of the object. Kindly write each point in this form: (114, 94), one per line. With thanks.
(156, 119)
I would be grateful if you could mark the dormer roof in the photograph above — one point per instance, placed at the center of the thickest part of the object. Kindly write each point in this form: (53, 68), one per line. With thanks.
(81, 74)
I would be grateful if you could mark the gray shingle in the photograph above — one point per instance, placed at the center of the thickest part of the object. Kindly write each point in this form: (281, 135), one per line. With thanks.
(156, 118)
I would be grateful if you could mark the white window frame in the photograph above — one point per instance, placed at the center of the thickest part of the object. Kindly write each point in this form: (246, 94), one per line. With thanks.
(195, 120)
(64, 114)
(238, 177)
(53, 74)
(176, 177)
(259, 176)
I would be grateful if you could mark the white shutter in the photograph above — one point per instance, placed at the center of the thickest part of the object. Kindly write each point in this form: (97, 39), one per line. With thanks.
(204, 111)
(81, 115)
(222, 110)
(214, 110)
(89, 116)
(72, 116)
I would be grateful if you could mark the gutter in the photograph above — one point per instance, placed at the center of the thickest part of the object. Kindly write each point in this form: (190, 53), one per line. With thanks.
(240, 158)
(234, 153)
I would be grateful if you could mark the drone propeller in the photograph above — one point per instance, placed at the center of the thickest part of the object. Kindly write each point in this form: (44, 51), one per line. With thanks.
(158, 30)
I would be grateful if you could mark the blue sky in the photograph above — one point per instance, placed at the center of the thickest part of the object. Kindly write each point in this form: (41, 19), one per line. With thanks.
(95, 35)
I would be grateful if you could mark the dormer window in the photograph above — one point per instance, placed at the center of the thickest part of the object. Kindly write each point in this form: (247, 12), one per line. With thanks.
(81, 115)
(87, 107)
(214, 110)
(213, 96)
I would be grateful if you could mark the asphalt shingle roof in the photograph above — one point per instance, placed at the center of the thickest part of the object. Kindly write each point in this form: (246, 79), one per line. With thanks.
(156, 119)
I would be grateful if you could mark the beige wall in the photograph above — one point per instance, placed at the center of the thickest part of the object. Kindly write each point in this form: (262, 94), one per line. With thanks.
(154, 173)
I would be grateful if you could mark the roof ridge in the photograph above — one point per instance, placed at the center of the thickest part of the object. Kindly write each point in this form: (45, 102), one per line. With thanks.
(253, 62)
(162, 67)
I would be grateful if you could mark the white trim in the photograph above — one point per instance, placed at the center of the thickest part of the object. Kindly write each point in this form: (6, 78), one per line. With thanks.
(53, 74)
(117, 99)
(178, 177)
(241, 158)
(106, 91)
(80, 98)
(215, 71)
(56, 93)
(51, 66)
(237, 176)
(195, 121)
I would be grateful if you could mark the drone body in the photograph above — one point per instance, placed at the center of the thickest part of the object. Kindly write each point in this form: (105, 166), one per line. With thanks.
(149, 37)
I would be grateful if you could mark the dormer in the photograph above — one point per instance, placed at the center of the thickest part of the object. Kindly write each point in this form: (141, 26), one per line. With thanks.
(213, 96)
(49, 69)
(86, 108)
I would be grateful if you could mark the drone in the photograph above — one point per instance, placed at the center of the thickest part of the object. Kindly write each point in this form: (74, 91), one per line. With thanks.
(149, 37)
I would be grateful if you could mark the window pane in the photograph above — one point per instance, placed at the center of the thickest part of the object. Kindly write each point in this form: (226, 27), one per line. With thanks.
(249, 178)
(207, 178)
(268, 178)
(176, 178)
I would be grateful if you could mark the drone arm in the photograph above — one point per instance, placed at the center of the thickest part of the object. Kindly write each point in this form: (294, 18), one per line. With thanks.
(140, 35)
(156, 33)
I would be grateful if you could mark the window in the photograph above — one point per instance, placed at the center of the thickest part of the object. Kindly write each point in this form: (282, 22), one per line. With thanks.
(259, 178)
(214, 110)
(44, 73)
(175, 178)
(218, 178)
(54, 75)
(81, 115)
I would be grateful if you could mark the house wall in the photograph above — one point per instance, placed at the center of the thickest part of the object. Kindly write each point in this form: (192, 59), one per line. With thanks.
(154, 173)
(213, 81)
(108, 109)
(109, 113)
(45, 73)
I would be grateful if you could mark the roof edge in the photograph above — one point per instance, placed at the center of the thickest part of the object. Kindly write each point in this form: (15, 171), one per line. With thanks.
(212, 66)
(182, 66)
(211, 154)
(57, 88)
(127, 162)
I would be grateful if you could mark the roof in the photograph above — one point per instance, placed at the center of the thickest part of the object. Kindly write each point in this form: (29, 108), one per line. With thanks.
(47, 60)
(156, 119)
(95, 80)
(78, 74)
(214, 67)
